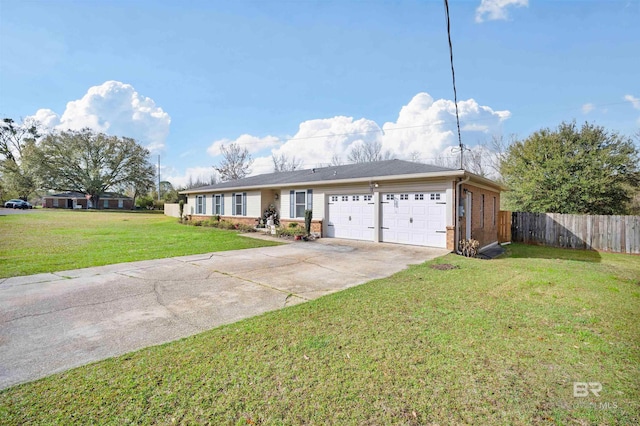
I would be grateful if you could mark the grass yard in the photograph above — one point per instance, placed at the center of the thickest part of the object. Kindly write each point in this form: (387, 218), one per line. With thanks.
(489, 342)
(57, 240)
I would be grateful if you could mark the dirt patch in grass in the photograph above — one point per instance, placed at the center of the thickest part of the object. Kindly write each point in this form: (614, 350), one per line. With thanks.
(444, 266)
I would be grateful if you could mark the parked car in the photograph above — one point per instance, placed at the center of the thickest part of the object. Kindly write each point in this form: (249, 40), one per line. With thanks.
(17, 204)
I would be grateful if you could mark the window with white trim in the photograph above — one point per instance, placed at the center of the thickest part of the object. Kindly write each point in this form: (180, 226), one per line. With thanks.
(419, 196)
(200, 204)
(367, 197)
(334, 198)
(239, 202)
(301, 203)
(55, 202)
(120, 203)
(435, 196)
(389, 197)
(494, 212)
(345, 198)
(356, 198)
(404, 196)
(482, 212)
(217, 204)
(105, 204)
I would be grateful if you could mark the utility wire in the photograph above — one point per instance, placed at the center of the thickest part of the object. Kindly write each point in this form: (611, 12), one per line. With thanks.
(453, 77)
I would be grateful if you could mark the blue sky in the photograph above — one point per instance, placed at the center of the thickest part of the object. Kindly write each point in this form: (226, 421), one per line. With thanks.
(312, 79)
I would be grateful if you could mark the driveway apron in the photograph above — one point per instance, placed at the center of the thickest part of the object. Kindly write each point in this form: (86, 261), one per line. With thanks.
(53, 322)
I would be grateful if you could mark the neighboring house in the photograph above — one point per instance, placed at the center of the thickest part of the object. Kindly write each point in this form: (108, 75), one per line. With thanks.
(386, 201)
(78, 200)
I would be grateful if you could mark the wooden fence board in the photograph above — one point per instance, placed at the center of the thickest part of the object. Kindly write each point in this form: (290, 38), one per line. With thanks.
(619, 234)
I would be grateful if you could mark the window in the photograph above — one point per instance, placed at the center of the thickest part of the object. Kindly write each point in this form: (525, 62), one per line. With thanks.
(55, 202)
(367, 197)
(494, 212)
(345, 198)
(419, 196)
(105, 204)
(482, 211)
(404, 196)
(120, 204)
(334, 198)
(299, 201)
(201, 206)
(435, 196)
(389, 197)
(239, 207)
(218, 204)
(356, 198)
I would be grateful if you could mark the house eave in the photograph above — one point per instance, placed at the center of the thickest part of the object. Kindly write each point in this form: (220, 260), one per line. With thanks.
(431, 175)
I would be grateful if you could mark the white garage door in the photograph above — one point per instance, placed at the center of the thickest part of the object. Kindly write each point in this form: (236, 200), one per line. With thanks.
(417, 218)
(350, 216)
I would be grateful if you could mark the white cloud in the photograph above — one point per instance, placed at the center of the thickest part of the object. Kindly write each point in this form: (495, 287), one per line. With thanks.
(252, 143)
(587, 108)
(424, 128)
(634, 101)
(492, 10)
(114, 108)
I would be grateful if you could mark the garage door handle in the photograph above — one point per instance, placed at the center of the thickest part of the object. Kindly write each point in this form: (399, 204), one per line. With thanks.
(442, 203)
(441, 232)
(383, 227)
(410, 220)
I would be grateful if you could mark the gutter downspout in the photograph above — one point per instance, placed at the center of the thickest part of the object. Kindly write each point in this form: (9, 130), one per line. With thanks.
(458, 202)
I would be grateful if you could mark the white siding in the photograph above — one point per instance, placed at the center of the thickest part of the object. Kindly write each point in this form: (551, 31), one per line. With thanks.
(253, 204)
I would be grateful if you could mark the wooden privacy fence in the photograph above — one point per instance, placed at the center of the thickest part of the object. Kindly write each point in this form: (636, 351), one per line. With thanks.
(618, 234)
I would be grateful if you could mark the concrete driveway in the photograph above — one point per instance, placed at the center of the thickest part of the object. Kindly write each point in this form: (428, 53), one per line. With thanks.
(53, 322)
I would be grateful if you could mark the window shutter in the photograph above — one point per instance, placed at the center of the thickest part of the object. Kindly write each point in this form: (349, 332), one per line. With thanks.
(244, 204)
(309, 199)
(204, 204)
(292, 204)
(221, 204)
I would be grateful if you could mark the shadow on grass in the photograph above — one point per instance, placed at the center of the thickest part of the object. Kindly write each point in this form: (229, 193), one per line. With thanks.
(519, 250)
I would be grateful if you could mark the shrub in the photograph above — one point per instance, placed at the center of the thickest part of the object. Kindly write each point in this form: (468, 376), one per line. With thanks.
(293, 225)
(308, 214)
(181, 206)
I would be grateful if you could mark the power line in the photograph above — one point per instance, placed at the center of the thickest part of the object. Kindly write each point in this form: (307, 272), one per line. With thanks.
(453, 77)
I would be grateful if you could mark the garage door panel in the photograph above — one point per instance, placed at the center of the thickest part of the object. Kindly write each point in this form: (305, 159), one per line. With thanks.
(351, 216)
(415, 218)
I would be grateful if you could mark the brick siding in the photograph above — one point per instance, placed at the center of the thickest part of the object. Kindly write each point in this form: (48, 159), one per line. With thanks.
(485, 231)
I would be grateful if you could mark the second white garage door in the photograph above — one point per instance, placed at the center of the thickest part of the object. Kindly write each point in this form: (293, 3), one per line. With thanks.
(351, 216)
(415, 218)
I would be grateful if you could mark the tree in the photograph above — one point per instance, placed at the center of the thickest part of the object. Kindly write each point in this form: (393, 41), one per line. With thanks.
(365, 152)
(571, 170)
(283, 163)
(236, 162)
(93, 163)
(336, 160)
(17, 142)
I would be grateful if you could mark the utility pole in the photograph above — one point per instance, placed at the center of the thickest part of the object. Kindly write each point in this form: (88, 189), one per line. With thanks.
(158, 177)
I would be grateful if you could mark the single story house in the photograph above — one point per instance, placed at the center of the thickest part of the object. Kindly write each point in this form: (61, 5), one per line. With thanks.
(78, 200)
(386, 201)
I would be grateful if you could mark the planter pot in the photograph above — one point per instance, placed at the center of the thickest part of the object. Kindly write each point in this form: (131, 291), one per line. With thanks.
(298, 237)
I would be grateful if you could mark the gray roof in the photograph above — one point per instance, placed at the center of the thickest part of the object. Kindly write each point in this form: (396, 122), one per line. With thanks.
(73, 194)
(376, 169)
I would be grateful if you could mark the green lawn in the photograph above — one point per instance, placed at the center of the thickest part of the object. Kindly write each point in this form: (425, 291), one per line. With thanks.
(56, 240)
(490, 342)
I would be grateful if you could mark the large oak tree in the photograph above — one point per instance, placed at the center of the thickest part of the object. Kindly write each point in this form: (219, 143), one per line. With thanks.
(93, 163)
(585, 170)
